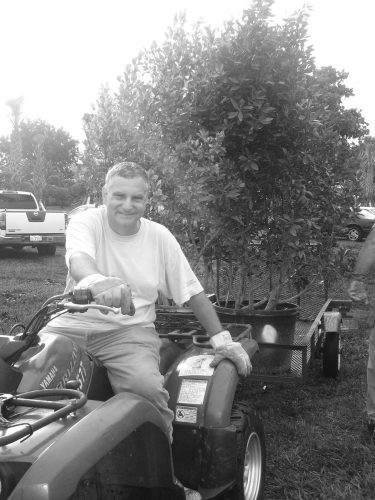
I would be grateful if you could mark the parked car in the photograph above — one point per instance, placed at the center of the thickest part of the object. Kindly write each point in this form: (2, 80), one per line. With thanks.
(79, 209)
(24, 221)
(359, 225)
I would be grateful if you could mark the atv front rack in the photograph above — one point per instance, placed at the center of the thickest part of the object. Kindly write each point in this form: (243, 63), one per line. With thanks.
(61, 409)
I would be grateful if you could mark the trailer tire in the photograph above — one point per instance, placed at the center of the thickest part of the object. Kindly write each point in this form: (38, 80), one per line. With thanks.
(47, 250)
(331, 354)
(251, 454)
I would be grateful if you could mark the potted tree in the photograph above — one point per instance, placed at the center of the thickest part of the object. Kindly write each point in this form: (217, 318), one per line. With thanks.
(270, 190)
(287, 174)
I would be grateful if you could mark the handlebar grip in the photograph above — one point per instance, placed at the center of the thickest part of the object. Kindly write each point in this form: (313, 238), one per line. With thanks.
(82, 295)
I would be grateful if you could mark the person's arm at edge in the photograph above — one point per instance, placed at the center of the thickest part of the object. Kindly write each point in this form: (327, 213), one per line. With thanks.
(366, 257)
(205, 313)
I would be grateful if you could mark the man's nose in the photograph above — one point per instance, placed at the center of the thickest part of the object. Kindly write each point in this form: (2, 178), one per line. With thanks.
(126, 203)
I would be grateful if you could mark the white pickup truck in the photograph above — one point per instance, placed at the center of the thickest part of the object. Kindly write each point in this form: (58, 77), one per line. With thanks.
(25, 222)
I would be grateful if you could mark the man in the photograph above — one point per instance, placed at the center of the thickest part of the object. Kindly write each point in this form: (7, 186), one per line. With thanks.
(357, 292)
(125, 260)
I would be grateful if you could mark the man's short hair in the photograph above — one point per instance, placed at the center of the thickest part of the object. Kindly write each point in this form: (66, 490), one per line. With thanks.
(127, 169)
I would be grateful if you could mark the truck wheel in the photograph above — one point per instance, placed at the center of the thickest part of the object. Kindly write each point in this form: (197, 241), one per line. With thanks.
(251, 454)
(331, 354)
(47, 250)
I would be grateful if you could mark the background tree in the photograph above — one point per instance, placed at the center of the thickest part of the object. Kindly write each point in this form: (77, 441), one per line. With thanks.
(15, 165)
(60, 150)
(49, 157)
(39, 168)
(242, 123)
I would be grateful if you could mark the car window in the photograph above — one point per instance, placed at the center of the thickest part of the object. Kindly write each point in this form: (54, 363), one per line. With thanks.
(14, 201)
(367, 212)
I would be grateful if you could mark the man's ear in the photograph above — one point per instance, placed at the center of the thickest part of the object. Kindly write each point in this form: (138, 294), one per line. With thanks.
(104, 194)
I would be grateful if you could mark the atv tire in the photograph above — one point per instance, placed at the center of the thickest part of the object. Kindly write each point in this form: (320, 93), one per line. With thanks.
(251, 454)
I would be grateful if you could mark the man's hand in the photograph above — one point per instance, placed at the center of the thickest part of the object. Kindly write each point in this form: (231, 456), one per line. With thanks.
(225, 347)
(357, 292)
(109, 291)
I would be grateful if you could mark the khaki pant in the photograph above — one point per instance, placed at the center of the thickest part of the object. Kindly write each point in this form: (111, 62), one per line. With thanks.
(132, 359)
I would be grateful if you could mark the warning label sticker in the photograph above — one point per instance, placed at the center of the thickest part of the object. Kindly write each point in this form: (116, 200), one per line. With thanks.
(186, 414)
(192, 392)
(196, 365)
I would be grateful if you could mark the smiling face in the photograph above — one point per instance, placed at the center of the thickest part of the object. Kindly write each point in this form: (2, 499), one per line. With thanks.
(126, 200)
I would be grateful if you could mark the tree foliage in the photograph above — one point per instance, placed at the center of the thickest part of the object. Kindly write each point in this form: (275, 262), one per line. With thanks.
(245, 138)
(45, 157)
(15, 158)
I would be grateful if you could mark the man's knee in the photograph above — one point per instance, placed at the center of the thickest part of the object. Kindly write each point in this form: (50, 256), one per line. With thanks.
(147, 385)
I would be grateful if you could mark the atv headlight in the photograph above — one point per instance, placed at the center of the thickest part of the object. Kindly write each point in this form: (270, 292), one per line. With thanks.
(10, 474)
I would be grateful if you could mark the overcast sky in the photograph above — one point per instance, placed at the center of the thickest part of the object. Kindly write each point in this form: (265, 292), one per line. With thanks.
(58, 53)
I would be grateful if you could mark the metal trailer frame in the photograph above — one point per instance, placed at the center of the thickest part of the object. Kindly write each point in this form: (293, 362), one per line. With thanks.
(307, 347)
(308, 343)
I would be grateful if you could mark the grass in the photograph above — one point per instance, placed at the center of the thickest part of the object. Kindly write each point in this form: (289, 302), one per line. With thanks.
(318, 446)
(27, 280)
(317, 441)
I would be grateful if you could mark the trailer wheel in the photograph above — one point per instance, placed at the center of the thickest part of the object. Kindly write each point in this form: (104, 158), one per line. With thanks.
(251, 454)
(47, 250)
(331, 354)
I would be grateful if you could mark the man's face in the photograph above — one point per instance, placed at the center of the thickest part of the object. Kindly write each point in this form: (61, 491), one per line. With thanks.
(126, 203)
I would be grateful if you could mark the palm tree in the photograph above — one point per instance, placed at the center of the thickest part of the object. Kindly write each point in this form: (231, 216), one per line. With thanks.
(367, 169)
(16, 159)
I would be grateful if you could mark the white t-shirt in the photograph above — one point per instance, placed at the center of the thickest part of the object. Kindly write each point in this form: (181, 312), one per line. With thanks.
(149, 261)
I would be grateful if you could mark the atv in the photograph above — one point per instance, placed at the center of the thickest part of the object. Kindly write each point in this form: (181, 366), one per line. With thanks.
(65, 435)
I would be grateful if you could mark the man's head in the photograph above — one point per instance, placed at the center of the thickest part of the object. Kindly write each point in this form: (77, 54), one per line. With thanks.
(128, 170)
(125, 194)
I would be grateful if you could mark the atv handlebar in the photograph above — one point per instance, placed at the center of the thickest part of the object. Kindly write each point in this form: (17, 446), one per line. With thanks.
(71, 306)
(78, 300)
(81, 299)
(62, 408)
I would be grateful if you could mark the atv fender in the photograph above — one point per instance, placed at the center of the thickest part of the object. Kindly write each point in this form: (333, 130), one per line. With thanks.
(204, 439)
(127, 422)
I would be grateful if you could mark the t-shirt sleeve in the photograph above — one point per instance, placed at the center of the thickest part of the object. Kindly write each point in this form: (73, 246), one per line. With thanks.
(180, 280)
(81, 235)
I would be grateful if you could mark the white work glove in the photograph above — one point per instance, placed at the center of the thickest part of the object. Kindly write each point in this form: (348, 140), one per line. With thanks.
(357, 291)
(225, 347)
(109, 291)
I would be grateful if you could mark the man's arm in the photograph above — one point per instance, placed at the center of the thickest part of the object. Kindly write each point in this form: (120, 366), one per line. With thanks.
(109, 291)
(365, 261)
(220, 340)
(205, 313)
(82, 265)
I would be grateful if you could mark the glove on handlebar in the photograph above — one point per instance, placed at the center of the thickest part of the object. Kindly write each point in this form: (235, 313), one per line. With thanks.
(109, 291)
(357, 291)
(225, 347)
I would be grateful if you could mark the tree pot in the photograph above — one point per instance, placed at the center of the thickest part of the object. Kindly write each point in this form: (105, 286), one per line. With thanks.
(274, 327)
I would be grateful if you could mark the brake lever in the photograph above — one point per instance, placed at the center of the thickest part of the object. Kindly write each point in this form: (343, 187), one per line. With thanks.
(71, 306)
